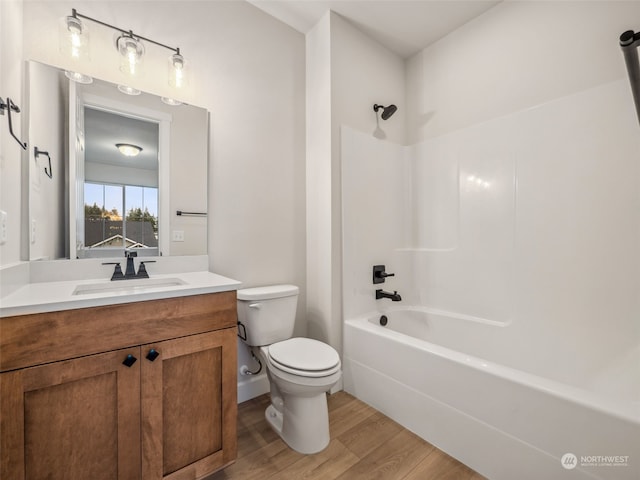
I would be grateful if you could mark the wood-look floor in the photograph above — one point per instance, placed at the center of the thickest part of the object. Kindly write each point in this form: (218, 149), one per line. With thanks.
(365, 445)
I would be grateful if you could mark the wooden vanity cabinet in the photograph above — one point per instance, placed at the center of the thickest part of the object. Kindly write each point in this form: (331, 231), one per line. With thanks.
(72, 419)
(148, 392)
(188, 418)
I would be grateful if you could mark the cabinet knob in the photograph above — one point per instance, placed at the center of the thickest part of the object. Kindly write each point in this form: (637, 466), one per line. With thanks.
(130, 360)
(152, 355)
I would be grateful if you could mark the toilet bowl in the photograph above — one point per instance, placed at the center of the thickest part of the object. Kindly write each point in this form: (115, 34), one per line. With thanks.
(300, 370)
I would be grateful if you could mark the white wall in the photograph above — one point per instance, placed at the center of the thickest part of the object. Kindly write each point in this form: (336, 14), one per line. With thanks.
(11, 155)
(320, 273)
(247, 69)
(364, 73)
(514, 56)
(352, 72)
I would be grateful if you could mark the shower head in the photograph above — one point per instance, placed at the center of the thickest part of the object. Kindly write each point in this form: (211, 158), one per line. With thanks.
(386, 111)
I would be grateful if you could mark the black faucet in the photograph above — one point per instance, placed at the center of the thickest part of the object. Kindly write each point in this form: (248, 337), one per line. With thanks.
(130, 271)
(393, 296)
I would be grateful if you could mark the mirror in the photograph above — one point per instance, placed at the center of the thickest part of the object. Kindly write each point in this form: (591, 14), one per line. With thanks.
(110, 170)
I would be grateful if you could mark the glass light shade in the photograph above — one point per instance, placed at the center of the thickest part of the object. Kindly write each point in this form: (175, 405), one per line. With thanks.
(177, 71)
(128, 150)
(74, 38)
(131, 54)
(126, 89)
(171, 101)
(78, 77)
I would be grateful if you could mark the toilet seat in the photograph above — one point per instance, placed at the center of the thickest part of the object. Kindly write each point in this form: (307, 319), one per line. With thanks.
(304, 357)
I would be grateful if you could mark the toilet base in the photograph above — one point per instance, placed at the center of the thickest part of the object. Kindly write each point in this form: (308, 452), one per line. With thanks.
(274, 419)
(304, 423)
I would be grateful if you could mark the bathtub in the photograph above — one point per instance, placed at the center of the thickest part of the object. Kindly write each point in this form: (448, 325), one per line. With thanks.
(504, 423)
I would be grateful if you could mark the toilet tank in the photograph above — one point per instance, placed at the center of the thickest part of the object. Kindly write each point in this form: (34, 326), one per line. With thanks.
(267, 314)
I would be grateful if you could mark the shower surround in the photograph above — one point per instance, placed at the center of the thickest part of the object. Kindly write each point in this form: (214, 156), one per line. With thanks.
(521, 237)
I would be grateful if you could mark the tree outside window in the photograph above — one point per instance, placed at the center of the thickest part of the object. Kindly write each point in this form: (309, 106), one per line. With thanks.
(106, 227)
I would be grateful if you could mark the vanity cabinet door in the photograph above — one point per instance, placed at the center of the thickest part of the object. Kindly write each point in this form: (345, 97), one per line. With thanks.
(189, 396)
(72, 419)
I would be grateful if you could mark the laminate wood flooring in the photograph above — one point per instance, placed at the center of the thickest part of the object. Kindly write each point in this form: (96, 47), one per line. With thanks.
(365, 445)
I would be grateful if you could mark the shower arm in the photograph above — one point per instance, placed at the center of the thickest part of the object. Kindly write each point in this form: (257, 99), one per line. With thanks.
(629, 42)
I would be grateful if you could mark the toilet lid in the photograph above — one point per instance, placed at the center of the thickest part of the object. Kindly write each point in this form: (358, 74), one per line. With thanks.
(304, 354)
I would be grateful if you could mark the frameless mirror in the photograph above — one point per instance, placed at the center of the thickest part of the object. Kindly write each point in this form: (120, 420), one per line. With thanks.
(110, 171)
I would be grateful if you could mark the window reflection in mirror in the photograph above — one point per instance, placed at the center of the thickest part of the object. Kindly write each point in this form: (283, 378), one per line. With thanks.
(120, 216)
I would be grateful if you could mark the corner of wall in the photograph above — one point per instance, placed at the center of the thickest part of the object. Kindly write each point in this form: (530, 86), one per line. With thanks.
(319, 183)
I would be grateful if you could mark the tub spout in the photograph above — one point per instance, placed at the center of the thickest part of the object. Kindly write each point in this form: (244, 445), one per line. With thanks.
(395, 297)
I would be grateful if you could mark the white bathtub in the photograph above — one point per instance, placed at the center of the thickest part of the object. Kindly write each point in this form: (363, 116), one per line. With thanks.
(504, 423)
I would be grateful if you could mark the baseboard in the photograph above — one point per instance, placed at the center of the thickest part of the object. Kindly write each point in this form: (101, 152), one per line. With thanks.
(252, 387)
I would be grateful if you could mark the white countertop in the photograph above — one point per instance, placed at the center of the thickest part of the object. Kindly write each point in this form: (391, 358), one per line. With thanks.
(56, 296)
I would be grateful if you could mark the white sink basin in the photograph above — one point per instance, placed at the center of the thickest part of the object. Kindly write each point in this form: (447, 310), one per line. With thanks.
(127, 286)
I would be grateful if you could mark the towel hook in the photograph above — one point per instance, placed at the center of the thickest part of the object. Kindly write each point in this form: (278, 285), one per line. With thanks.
(37, 153)
(10, 106)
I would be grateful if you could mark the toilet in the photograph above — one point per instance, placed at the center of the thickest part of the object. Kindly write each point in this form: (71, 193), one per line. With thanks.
(300, 370)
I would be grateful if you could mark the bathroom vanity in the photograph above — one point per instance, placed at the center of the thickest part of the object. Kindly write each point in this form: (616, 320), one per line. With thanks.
(132, 386)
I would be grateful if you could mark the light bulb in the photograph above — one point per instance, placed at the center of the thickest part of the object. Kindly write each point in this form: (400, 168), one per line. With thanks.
(74, 38)
(128, 150)
(177, 71)
(132, 51)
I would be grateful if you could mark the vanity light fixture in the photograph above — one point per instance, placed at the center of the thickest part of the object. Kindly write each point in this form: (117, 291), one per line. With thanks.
(74, 39)
(177, 71)
(131, 53)
(128, 149)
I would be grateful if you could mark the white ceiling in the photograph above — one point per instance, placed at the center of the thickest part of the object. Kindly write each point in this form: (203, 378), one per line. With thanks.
(104, 129)
(403, 26)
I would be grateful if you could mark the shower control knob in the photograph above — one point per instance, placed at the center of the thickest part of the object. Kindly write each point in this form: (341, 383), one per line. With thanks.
(379, 274)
